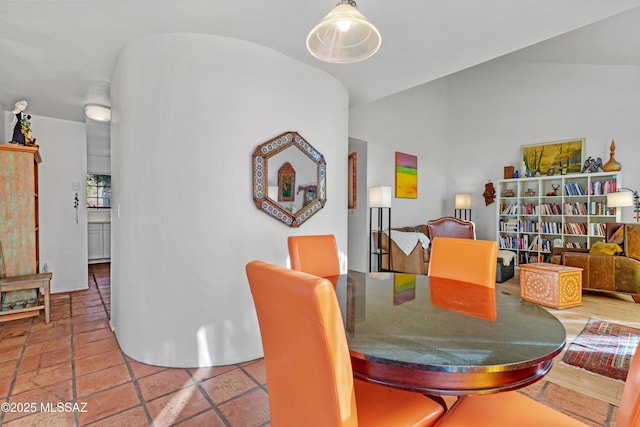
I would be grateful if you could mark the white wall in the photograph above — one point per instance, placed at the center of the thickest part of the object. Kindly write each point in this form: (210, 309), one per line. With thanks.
(412, 122)
(495, 108)
(465, 128)
(98, 147)
(188, 112)
(358, 217)
(63, 241)
(3, 137)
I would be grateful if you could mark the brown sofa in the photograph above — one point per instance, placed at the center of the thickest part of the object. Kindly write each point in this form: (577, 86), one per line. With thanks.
(417, 262)
(611, 273)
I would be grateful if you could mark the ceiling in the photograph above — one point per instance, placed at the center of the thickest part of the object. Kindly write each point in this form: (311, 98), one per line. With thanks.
(59, 54)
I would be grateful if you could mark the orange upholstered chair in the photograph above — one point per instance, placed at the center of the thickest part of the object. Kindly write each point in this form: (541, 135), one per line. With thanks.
(467, 260)
(317, 255)
(309, 374)
(513, 409)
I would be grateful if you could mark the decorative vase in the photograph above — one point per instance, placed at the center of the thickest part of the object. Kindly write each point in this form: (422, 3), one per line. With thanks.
(612, 165)
(508, 172)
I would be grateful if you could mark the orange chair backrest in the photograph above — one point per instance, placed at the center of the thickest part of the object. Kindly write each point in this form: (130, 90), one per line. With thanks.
(306, 355)
(629, 412)
(317, 255)
(472, 261)
(449, 226)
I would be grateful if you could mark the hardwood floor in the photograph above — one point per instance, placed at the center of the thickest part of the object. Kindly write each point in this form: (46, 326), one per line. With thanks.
(616, 308)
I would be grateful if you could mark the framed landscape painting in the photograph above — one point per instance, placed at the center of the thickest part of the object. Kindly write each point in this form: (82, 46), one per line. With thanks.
(560, 156)
(406, 176)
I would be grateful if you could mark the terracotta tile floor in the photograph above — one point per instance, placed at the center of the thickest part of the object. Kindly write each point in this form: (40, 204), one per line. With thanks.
(75, 359)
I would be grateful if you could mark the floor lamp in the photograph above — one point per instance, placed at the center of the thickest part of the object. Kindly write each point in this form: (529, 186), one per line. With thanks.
(379, 201)
(621, 199)
(462, 206)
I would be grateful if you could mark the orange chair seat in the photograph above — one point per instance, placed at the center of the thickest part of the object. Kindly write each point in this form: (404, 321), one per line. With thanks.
(508, 409)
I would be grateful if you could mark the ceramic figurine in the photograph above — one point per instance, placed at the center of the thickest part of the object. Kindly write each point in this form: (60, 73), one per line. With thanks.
(18, 134)
(489, 193)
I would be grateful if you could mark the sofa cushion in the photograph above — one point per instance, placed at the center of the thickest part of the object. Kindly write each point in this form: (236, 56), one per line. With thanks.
(617, 236)
(605, 248)
(632, 241)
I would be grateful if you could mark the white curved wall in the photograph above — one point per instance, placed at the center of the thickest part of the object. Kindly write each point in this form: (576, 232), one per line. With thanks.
(188, 112)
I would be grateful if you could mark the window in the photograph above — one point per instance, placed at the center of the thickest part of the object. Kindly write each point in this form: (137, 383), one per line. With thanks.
(98, 191)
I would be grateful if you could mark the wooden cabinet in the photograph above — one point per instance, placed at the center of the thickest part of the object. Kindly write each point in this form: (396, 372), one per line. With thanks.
(536, 214)
(99, 241)
(19, 208)
(19, 234)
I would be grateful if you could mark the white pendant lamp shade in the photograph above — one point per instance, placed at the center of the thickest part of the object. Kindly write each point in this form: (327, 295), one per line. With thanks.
(343, 36)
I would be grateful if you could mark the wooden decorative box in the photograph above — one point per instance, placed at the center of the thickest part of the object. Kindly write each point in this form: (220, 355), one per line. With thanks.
(551, 285)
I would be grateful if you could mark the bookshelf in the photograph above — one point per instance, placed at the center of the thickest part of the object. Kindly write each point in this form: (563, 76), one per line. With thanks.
(537, 214)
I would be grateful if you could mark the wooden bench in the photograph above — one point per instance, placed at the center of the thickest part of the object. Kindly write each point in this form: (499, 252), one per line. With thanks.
(39, 281)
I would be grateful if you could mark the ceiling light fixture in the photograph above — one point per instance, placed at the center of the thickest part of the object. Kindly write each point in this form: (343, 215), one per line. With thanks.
(100, 113)
(344, 36)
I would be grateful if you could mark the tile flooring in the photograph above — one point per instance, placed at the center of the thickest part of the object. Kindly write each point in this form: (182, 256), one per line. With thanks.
(71, 372)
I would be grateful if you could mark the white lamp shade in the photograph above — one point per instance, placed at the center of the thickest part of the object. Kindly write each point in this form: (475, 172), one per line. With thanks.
(96, 112)
(463, 201)
(380, 197)
(619, 199)
(343, 36)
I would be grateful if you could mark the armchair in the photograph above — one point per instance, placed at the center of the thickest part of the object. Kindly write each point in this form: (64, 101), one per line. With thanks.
(612, 273)
(449, 226)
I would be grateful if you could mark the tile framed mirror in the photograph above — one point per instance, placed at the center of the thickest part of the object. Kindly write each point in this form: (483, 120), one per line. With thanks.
(289, 179)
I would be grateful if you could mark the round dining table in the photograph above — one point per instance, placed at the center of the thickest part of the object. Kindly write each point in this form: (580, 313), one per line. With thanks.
(444, 337)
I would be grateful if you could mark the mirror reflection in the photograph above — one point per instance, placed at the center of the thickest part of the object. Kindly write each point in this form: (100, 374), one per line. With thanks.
(289, 179)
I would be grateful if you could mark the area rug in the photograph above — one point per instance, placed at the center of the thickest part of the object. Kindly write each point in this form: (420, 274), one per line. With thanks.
(604, 348)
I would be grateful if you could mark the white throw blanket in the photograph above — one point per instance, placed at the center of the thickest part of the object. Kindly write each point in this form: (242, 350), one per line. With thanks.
(407, 241)
(506, 256)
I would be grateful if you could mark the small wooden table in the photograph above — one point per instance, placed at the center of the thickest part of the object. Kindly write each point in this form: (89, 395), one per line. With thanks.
(30, 281)
(551, 285)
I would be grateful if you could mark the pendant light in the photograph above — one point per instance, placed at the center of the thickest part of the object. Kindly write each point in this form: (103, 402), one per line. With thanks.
(343, 36)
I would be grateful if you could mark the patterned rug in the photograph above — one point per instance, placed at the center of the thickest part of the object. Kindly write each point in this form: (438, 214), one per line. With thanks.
(604, 348)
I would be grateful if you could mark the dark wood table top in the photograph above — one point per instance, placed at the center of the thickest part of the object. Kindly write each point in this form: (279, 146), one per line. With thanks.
(444, 337)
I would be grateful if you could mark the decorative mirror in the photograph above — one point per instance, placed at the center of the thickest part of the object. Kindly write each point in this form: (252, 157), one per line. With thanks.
(289, 179)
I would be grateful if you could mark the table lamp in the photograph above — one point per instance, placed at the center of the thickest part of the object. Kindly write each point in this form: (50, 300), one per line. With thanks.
(462, 206)
(379, 199)
(621, 199)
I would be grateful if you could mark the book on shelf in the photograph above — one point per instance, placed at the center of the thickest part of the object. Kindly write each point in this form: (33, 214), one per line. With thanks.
(577, 245)
(579, 208)
(550, 209)
(578, 228)
(574, 189)
(508, 209)
(529, 209)
(600, 188)
(597, 229)
(551, 227)
(509, 226)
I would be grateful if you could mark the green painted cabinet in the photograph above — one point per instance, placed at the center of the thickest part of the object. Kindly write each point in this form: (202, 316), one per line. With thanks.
(19, 208)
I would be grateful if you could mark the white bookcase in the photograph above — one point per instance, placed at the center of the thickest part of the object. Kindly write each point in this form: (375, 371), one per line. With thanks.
(536, 214)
